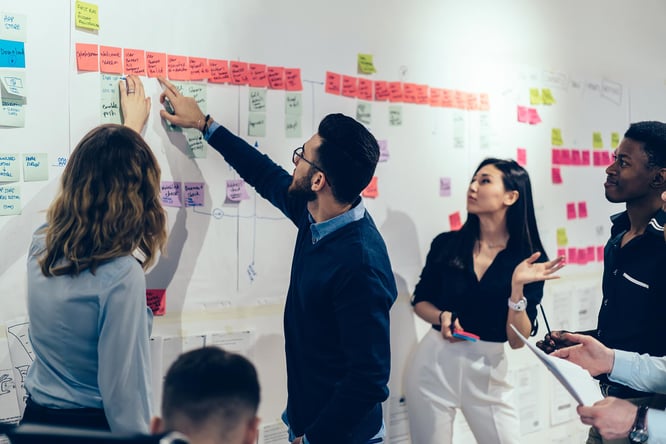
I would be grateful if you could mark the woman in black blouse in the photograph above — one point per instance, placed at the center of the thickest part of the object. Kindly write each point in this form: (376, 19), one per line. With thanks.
(480, 279)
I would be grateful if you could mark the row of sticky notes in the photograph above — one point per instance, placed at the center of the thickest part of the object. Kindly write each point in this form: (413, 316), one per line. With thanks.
(576, 157)
(597, 139)
(382, 91)
(35, 167)
(115, 60)
(541, 97)
(175, 194)
(582, 210)
(582, 256)
(528, 115)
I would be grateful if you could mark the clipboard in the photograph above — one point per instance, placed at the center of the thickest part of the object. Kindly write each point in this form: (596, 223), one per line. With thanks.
(578, 382)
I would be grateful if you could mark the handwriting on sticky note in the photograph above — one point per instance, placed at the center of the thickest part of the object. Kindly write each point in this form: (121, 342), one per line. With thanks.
(170, 194)
(156, 300)
(110, 60)
(365, 64)
(178, 67)
(372, 190)
(86, 15)
(135, 62)
(156, 64)
(292, 78)
(333, 83)
(219, 71)
(444, 186)
(194, 194)
(275, 76)
(87, 57)
(236, 190)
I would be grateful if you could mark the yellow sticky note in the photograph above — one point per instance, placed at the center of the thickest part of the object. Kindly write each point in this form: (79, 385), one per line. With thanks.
(86, 15)
(562, 240)
(547, 96)
(535, 96)
(556, 137)
(365, 64)
(597, 141)
(615, 139)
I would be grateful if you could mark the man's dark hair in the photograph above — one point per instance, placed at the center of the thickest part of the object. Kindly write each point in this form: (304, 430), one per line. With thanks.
(348, 156)
(210, 382)
(653, 136)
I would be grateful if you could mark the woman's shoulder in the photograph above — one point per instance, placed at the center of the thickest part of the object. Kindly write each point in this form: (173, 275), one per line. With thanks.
(38, 243)
(445, 238)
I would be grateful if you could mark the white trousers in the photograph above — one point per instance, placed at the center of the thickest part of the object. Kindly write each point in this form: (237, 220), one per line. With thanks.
(470, 376)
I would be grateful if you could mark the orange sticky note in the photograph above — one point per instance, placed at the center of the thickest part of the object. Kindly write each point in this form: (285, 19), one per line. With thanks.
(371, 190)
(199, 68)
(219, 71)
(472, 102)
(484, 102)
(447, 98)
(349, 86)
(582, 209)
(156, 64)
(422, 94)
(395, 91)
(409, 92)
(381, 91)
(556, 175)
(110, 60)
(135, 62)
(275, 76)
(239, 73)
(365, 89)
(178, 67)
(459, 99)
(435, 98)
(156, 300)
(258, 77)
(87, 57)
(454, 221)
(292, 78)
(333, 83)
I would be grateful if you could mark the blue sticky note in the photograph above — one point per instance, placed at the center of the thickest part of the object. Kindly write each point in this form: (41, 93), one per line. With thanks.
(12, 54)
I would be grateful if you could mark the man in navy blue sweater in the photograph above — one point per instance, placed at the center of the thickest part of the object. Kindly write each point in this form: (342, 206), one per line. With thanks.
(336, 319)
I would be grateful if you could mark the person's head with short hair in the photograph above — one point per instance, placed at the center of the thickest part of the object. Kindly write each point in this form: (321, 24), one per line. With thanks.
(211, 396)
(638, 174)
(344, 152)
(108, 205)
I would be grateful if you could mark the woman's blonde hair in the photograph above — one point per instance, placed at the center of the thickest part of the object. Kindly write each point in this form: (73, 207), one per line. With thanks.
(108, 205)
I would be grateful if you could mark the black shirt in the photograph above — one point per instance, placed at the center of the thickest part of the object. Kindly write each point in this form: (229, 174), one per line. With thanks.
(481, 305)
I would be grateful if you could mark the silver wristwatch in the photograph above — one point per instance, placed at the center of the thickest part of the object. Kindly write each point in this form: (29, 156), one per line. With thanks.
(639, 432)
(521, 305)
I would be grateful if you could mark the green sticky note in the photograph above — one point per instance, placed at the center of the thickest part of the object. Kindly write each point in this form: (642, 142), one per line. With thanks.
(257, 99)
(109, 99)
(597, 141)
(35, 167)
(196, 143)
(10, 200)
(198, 91)
(535, 96)
(562, 240)
(292, 126)
(615, 139)
(365, 64)
(547, 96)
(293, 103)
(86, 15)
(556, 137)
(364, 112)
(395, 115)
(9, 167)
(256, 125)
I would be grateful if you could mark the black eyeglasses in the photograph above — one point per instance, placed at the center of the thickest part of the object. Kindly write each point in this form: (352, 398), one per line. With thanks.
(298, 154)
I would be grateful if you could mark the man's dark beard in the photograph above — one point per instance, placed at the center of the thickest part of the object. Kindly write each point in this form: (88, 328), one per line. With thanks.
(301, 188)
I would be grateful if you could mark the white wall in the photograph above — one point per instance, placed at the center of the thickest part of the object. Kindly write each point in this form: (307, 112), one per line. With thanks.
(502, 48)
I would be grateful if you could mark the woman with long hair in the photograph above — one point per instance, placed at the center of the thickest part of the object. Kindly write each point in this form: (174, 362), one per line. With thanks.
(89, 323)
(480, 280)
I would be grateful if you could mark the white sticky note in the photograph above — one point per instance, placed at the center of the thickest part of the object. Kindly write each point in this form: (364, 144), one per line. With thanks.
(9, 167)
(35, 167)
(13, 27)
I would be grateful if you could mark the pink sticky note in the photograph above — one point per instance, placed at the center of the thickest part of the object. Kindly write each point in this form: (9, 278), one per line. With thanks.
(596, 158)
(582, 209)
(156, 300)
(275, 76)
(178, 68)
(194, 194)
(521, 156)
(110, 60)
(435, 98)
(219, 71)
(371, 191)
(571, 210)
(565, 156)
(333, 83)
(459, 99)
(444, 186)
(239, 73)
(422, 94)
(484, 102)
(582, 256)
(349, 86)
(292, 79)
(523, 114)
(395, 91)
(258, 78)
(562, 252)
(590, 253)
(364, 89)
(383, 150)
(556, 175)
(556, 156)
(534, 116)
(199, 69)
(87, 57)
(572, 255)
(447, 98)
(455, 222)
(585, 157)
(236, 190)
(156, 64)
(170, 193)
(576, 158)
(607, 158)
(472, 102)
(382, 92)
(135, 61)
(600, 253)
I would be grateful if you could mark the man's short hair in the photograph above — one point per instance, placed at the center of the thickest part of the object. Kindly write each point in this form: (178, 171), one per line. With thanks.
(653, 136)
(348, 156)
(210, 383)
